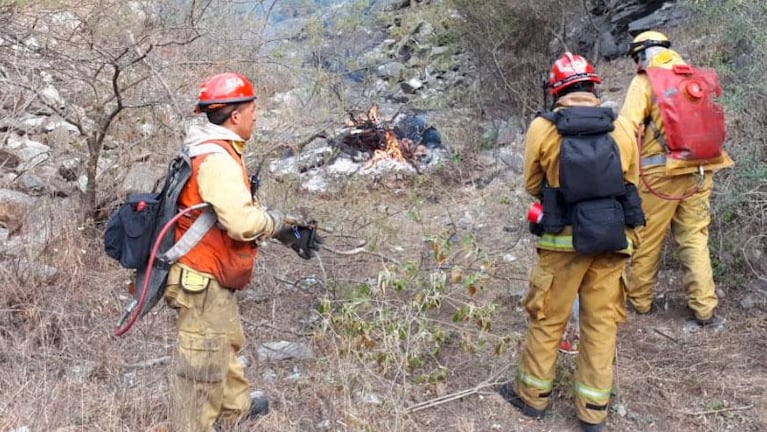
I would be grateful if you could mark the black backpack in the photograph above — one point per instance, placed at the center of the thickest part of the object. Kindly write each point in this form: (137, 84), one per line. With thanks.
(590, 179)
(145, 223)
(589, 162)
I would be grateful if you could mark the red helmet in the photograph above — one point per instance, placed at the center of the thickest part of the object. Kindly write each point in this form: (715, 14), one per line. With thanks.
(569, 69)
(225, 88)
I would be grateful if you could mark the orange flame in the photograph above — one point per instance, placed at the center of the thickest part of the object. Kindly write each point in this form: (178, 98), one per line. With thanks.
(392, 150)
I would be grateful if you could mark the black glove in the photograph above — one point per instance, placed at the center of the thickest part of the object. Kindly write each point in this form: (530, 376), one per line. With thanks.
(302, 239)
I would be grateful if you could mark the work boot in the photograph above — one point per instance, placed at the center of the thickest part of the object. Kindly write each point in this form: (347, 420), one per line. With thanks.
(659, 303)
(714, 322)
(569, 346)
(229, 419)
(508, 393)
(259, 405)
(590, 427)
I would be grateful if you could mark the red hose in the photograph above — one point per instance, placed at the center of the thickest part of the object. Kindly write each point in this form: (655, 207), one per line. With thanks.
(136, 311)
(660, 195)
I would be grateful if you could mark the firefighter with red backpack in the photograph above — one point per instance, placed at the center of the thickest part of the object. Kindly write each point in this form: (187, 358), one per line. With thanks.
(582, 163)
(680, 132)
(208, 380)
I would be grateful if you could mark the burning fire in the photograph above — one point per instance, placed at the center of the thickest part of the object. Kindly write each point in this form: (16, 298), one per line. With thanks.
(393, 147)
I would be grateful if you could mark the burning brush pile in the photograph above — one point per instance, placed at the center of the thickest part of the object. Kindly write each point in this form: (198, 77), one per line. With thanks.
(379, 139)
(367, 145)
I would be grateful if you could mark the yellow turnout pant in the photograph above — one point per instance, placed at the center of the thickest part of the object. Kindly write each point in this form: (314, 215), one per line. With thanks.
(208, 380)
(689, 219)
(554, 282)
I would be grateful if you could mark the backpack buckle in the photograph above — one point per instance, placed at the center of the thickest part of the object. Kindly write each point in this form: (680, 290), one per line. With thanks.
(682, 69)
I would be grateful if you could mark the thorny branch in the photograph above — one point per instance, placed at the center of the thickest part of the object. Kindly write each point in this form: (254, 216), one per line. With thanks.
(158, 77)
(747, 258)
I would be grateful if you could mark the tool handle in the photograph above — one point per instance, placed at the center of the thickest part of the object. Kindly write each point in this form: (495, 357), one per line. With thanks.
(303, 223)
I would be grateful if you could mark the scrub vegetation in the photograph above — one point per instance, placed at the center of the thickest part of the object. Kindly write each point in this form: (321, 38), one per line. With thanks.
(413, 308)
(736, 47)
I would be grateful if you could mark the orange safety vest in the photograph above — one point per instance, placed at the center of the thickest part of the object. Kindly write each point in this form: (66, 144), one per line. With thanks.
(228, 260)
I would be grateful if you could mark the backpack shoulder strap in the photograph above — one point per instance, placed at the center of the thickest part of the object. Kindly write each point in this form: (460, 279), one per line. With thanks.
(549, 115)
(191, 237)
(206, 219)
(583, 120)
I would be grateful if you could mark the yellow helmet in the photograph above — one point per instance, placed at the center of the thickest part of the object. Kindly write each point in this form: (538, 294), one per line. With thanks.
(646, 40)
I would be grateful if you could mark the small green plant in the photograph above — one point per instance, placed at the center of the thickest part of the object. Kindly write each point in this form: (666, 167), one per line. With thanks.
(715, 405)
(565, 377)
(396, 324)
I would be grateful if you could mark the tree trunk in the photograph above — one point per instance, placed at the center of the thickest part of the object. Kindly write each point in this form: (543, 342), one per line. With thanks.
(94, 151)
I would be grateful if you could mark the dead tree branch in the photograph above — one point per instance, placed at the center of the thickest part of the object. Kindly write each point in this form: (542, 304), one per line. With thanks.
(490, 382)
(717, 411)
(357, 251)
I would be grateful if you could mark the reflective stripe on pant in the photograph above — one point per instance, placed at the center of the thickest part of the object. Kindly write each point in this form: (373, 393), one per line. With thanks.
(689, 219)
(554, 282)
(208, 378)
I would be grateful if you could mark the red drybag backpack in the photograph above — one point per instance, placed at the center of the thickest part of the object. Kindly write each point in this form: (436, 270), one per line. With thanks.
(693, 121)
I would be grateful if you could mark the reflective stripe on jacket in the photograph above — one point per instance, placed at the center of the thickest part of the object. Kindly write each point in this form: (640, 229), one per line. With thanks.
(564, 243)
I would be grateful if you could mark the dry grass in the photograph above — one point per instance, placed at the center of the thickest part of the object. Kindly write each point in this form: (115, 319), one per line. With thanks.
(709, 381)
(704, 381)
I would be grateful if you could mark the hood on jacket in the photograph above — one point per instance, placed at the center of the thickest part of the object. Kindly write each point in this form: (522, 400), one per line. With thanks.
(198, 134)
(579, 98)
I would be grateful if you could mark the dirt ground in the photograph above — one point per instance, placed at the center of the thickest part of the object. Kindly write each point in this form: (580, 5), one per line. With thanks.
(667, 377)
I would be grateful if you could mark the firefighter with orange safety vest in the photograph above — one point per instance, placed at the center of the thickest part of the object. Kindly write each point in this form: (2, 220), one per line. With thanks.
(681, 131)
(582, 162)
(209, 383)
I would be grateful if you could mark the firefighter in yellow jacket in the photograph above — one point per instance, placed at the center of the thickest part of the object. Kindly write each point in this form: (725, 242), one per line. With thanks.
(582, 162)
(675, 190)
(209, 383)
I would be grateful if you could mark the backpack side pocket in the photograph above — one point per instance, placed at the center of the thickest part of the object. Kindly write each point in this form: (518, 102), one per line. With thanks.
(129, 232)
(599, 226)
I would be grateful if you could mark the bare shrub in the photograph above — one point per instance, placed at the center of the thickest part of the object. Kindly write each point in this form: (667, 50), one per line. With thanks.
(99, 50)
(511, 43)
(90, 62)
(736, 45)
